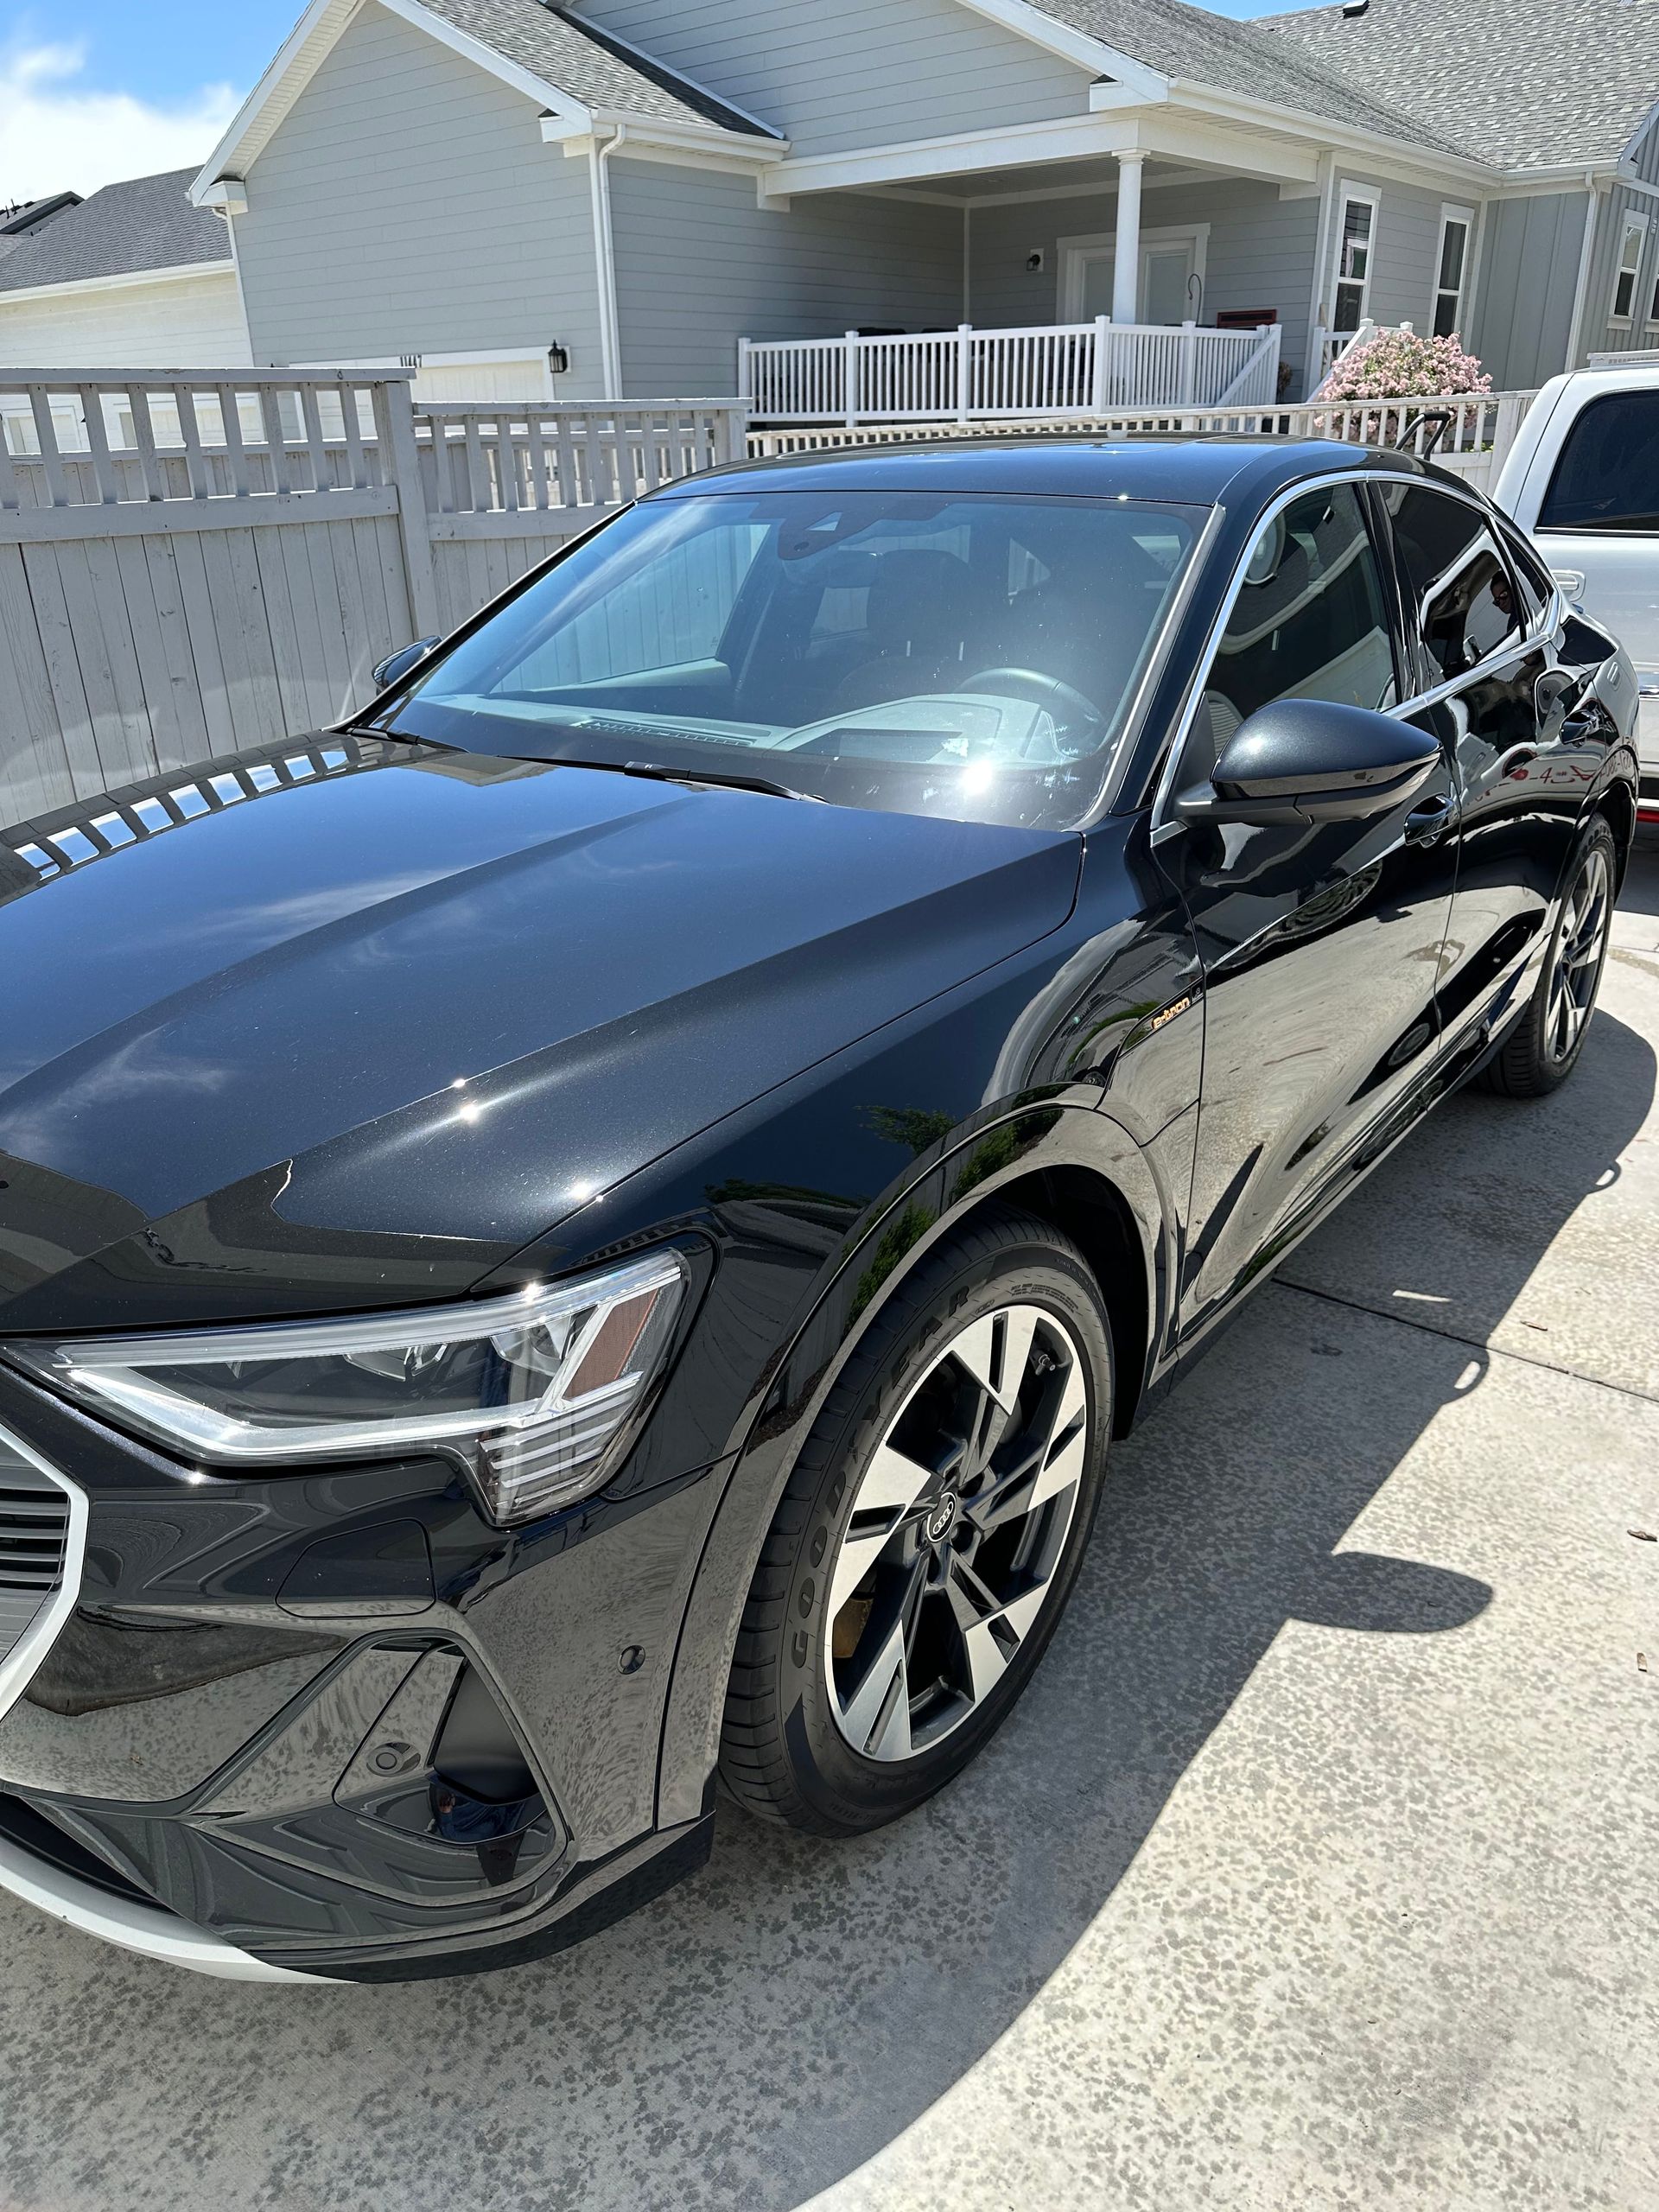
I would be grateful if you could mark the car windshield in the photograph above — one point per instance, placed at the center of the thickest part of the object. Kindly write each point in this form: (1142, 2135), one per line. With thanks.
(975, 656)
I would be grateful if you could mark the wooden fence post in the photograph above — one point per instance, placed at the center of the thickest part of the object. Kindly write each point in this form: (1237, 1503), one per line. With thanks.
(733, 443)
(396, 408)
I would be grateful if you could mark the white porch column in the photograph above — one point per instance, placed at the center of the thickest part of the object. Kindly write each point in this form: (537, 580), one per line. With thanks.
(1126, 264)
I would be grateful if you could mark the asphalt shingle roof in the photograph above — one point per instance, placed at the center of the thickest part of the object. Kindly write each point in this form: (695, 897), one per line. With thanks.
(1527, 83)
(583, 62)
(147, 223)
(1178, 41)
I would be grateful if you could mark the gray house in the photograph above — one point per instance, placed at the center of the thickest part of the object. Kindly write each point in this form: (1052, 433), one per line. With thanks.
(653, 198)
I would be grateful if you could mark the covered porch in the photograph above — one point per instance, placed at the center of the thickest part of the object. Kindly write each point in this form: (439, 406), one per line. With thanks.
(1177, 269)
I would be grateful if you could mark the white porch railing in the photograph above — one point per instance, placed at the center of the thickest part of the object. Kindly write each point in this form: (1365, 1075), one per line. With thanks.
(1328, 347)
(1472, 444)
(1058, 371)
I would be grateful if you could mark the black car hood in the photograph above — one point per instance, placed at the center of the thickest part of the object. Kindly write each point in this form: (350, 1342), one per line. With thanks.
(272, 1045)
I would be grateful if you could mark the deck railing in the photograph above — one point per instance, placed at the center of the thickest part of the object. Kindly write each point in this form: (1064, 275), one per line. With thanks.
(1056, 371)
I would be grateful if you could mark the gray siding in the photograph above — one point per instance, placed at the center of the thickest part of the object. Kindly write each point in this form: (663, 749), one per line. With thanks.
(1259, 252)
(1600, 333)
(1524, 305)
(837, 73)
(408, 205)
(700, 265)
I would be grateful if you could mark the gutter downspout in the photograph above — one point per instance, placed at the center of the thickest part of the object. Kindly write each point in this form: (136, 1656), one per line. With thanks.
(610, 332)
(1581, 295)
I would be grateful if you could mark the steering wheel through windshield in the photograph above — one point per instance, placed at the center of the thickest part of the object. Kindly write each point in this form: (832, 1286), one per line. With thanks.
(1042, 691)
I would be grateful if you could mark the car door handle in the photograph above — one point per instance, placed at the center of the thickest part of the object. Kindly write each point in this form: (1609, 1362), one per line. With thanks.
(1425, 823)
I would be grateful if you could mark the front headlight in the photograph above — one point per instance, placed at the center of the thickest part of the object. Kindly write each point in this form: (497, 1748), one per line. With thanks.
(535, 1390)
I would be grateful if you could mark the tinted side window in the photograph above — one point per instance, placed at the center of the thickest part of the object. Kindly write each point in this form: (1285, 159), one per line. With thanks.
(1607, 476)
(1309, 621)
(1458, 583)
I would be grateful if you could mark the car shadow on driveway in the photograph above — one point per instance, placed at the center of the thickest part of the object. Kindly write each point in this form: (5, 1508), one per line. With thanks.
(761, 2031)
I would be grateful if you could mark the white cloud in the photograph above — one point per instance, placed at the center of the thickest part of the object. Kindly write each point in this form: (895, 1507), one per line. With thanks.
(57, 134)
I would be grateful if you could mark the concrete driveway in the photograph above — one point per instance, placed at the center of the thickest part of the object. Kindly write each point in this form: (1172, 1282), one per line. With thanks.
(1316, 1870)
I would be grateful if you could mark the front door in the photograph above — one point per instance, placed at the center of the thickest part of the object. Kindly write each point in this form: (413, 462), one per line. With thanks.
(1171, 275)
(1320, 945)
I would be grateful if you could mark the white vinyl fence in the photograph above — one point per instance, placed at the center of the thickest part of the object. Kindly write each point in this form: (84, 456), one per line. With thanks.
(1469, 435)
(194, 565)
(1057, 371)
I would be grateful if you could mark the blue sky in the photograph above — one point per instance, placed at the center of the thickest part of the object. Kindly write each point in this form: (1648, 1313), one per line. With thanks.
(94, 90)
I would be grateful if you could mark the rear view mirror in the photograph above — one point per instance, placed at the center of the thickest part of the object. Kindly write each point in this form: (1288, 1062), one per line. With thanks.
(1303, 760)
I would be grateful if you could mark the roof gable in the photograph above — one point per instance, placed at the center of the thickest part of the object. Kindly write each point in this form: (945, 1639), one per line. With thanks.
(573, 72)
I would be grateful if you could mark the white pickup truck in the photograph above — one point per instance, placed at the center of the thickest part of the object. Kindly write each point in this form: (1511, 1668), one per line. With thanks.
(1582, 479)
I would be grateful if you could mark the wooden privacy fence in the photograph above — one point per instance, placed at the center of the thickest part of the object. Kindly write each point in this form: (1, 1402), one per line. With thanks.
(497, 483)
(194, 564)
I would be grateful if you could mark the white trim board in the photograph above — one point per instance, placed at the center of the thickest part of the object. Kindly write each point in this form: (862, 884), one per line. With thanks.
(1452, 211)
(177, 273)
(1091, 53)
(1157, 132)
(1631, 223)
(1350, 192)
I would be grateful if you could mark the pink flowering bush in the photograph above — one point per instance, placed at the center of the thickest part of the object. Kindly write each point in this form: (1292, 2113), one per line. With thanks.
(1404, 365)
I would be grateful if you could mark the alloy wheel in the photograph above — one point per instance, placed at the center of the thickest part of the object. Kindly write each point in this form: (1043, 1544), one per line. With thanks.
(1580, 950)
(958, 1526)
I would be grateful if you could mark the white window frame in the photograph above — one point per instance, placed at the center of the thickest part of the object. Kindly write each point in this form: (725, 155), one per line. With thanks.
(1451, 213)
(1349, 195)
(1653, 298)
(1075, 253)
(1633, 227)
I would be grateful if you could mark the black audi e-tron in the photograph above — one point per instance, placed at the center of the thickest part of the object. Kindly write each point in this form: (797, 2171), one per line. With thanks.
(588, 1231)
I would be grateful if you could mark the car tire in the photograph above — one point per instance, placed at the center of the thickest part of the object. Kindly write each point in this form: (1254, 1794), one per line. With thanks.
(1542, 1049)
(929, 1535)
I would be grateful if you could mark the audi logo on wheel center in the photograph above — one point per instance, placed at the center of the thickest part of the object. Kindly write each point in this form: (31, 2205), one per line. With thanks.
(942, 1519)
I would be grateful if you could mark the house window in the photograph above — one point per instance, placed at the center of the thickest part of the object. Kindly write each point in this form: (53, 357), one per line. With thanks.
(1354, 243)
(1629, 263)
(1451, 270)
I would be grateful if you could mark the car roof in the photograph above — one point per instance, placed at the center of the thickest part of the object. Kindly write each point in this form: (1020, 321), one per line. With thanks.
(1195, 470)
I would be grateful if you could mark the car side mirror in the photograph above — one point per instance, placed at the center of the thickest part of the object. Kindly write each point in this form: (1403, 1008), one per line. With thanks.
(396, 665)
(1305, 761)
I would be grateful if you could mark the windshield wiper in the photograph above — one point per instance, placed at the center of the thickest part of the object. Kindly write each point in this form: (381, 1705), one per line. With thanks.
(725, 779)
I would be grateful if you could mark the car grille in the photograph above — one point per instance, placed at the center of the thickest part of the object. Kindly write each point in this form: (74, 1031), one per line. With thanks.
(34, 1521)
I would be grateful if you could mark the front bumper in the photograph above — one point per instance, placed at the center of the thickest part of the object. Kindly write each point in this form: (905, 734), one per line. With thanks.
(338, 1725)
